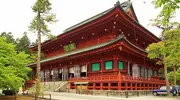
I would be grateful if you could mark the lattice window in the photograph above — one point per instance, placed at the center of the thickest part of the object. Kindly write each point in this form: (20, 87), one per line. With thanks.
(108, 65)
(120, 65)
(95, 66)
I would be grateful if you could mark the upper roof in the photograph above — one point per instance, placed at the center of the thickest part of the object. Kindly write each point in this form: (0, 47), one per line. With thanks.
(124, 6)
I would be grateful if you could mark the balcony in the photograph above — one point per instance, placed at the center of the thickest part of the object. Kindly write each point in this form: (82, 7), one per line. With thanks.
(118, 78)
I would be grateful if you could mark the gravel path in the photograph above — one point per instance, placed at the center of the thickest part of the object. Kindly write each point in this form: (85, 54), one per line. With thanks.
(69, 96)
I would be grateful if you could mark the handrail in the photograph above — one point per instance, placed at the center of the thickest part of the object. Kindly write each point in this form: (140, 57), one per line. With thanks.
(116, 77)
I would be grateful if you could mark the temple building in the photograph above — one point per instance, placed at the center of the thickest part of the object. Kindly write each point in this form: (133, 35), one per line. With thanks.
(104, 52)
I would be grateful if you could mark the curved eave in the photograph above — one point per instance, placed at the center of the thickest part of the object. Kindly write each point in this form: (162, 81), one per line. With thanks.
(138, 24)
(74, 27)
(134, 14)
(85, 22)
(121, 37)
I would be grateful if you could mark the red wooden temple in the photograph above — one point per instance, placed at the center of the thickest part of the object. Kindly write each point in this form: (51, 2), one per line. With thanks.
(106, 52)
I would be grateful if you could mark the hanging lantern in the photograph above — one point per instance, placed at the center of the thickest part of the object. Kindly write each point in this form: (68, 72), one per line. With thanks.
(120, 48)
(117, 15)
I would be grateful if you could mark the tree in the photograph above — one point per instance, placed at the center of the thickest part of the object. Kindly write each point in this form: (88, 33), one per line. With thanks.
(39, 24)
(13, 70)
(34, 43)
(9, 37)
(23, 43)
(162, 49)
(173, 37)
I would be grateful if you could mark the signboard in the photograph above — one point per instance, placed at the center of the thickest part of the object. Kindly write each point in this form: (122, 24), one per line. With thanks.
(69, 47)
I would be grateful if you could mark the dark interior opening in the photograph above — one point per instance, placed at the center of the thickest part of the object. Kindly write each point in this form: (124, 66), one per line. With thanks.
(97, 84)
(122, 84)
(131, 73)
(71, 75)
(90, 84)
(114, 84)
(83, 74)
(105, 84)
(60, 76)
(72, 84)
(51, 77)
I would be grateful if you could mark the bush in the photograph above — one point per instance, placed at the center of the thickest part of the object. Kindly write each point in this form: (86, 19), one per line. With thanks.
(9, 92)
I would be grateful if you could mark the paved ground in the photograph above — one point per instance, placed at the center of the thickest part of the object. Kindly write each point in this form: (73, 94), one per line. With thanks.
(69, 96)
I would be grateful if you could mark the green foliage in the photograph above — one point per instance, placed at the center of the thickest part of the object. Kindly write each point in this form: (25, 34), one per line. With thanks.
(168, 7)
(13, 70)
(46, 17)
(155, 50)
(167, 49)
(9, 37)
(33, 89)
(177, 75)
(23, 44)
(39, 25)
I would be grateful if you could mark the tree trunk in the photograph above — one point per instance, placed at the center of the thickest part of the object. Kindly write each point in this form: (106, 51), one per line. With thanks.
(38, 68)
(166, 76)
(174, 68)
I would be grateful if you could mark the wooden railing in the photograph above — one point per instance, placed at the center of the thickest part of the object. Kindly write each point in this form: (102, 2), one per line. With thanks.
(120, 78)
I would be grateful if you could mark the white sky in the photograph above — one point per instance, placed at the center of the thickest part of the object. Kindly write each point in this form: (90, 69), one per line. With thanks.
(16, 15)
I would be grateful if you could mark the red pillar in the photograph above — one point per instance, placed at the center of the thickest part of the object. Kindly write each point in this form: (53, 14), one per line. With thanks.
(76, 88)
(136, 86)
(88, 68)
(131, 86)
(101, 85)
(115, 64)
(119, 86)
(126, 86)
(94, 85)
(102, 67)
(109, 85)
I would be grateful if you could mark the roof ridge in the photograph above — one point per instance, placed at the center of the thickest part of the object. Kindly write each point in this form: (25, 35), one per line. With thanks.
(124, 5)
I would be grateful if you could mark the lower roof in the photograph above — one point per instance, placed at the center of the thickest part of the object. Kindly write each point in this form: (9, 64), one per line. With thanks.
(78, 51)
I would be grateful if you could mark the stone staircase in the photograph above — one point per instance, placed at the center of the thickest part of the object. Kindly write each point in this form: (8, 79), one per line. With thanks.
(58, 86)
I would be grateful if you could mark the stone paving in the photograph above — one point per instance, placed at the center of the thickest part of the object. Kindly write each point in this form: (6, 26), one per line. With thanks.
(70, 96)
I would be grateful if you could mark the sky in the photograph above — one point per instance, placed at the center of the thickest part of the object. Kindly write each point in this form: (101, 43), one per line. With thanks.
(16, 15)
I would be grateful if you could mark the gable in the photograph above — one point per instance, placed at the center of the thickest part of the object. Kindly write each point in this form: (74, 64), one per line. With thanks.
(131, 13)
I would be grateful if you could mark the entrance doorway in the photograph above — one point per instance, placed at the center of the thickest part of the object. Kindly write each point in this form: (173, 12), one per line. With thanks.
(83, 74)
(71, 75)
(60, 76)
(83, 71)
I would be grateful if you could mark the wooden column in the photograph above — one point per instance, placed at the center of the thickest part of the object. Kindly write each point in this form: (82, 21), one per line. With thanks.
(102, 67)
(119, 86)
(87, 89)
(126, 86)
(115, 64)
(94, 85)
(76, 88)
(109, 85)
(140, 84)
(88, 68)
(131, 86)
(101, 85)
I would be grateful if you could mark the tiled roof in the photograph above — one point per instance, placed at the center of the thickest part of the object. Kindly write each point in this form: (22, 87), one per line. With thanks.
(124, 6)
(90, 48)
